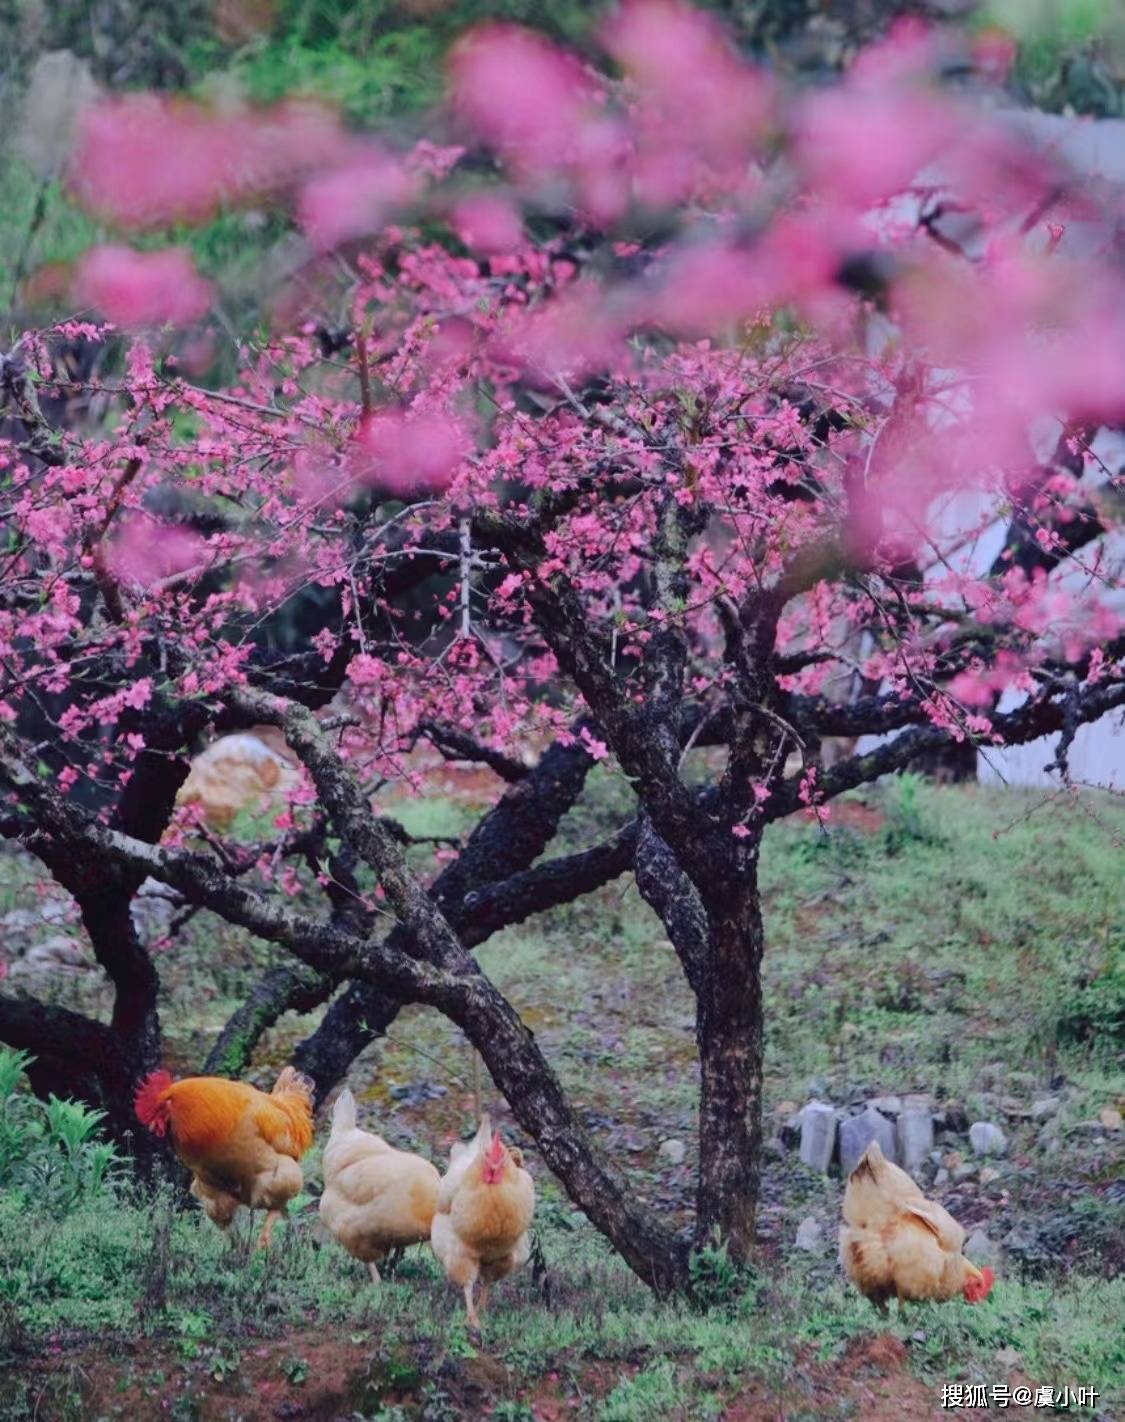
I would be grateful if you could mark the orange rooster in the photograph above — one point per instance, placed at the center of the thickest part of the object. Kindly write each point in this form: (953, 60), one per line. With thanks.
(484, 1210)
(896, 1243)
(375, 1198)
(241, 1146)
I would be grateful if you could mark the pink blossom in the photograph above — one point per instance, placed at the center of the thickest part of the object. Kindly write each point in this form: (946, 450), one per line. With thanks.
(355, 199)
(598, 750)
(520, 94)
(142, 288)
(144, 550)
(142, 160)
(408, 453)
(487, 223)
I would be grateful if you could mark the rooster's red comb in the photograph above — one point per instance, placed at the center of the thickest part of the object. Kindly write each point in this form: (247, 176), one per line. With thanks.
(149, 1099)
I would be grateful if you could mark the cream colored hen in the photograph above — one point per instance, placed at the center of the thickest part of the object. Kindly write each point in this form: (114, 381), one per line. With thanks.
(376, 1198)
(484, 1212)
(894, 1243)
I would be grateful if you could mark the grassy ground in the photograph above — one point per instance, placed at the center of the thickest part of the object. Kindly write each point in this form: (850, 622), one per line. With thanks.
(949, 941)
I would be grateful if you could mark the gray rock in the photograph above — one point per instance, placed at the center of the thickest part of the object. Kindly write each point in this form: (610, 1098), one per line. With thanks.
(961, 1173)
(672, 1151)
(810, 1235)
(56, 951)
(918, 1101)
(818, 1135)
(1044, 1107)
(915, 1136)
(942, 1177)
(981, 1250)
(886, 1105)
(857, 1133)
(18, 922)
(987, 1139)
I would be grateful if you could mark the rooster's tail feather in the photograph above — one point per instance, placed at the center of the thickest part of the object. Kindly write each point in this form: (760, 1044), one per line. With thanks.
(291, 1082)
(343, 1113)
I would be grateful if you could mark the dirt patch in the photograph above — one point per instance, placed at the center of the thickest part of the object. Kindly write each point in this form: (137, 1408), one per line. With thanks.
(872, 1381)
(304, 1376)
(314, 1377)
(856, 815)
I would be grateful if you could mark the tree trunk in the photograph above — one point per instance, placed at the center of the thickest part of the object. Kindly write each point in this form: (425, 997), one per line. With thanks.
(135, 1023)
(729, 1034)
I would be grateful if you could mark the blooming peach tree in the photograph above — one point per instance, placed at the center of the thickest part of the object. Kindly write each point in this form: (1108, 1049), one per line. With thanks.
(653, 411)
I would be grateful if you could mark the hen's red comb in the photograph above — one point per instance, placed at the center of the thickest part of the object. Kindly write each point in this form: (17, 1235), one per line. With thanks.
(149, 1099)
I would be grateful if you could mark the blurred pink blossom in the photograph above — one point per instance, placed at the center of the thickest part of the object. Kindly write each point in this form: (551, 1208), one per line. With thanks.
(487, 223)
(142, 288)
(146, 161)
(145, 550)
(697, 101)
(409, 453)
(519, 93)
(355, 199)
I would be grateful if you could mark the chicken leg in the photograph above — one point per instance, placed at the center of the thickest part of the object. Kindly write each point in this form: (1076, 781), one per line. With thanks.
(470, 1307)
(272, 1216)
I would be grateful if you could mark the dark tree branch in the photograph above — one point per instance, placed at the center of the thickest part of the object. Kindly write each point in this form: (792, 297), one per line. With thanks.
(1035, 718)
(458, 745)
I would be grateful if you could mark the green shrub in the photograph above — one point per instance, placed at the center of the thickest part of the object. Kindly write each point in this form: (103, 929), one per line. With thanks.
(50, 1151)
(1092, 1012)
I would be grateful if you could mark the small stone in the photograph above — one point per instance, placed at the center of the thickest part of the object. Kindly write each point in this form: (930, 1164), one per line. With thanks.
(857, 1133)
(988, 1174)
(963, 1173)
(672, 1151)
(981, 1250)
(1110, 1118)
(942, 1177)
(1014, 1109)
(886, 1105)
(915, 1136)
(818, 1135)
(1044, 1107)
(987, 1138)
(810, 1235)
(952, 1160)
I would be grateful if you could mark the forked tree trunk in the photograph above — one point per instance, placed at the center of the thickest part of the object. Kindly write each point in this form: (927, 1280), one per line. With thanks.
(729, 1034)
